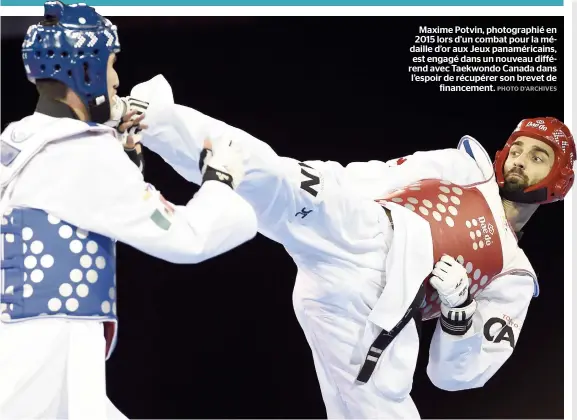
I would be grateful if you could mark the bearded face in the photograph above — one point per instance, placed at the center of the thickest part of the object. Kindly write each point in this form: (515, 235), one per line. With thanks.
(529, 162)
(516, 180)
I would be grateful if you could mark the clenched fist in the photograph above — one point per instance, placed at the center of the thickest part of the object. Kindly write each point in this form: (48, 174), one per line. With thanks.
(451, 281)
(452, 284)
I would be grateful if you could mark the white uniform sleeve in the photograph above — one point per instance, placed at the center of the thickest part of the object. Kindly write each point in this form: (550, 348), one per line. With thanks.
(299, 204)
(91, 183)
(459, 363)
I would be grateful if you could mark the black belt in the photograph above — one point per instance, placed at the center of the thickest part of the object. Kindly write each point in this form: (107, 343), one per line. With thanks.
(386, 337)
(388, 213)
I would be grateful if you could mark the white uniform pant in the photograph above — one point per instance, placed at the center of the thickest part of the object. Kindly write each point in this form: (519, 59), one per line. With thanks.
(345, 398)
(54, 369)
(340, 337)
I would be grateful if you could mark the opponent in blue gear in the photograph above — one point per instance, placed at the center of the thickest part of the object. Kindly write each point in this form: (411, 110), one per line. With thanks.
(67, 195)
(74, 45)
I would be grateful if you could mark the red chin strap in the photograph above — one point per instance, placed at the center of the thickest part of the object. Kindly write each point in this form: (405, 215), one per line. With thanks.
(557, 184)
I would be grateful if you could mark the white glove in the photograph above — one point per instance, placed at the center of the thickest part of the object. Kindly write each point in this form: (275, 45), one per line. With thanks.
(223, 163)
(451, 281)
(452, 284)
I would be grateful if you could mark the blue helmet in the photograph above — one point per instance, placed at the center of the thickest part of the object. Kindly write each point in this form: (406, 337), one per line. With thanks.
(72, 45)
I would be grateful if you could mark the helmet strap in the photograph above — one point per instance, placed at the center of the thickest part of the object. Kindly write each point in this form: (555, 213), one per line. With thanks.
(532, 197)
(99, 109)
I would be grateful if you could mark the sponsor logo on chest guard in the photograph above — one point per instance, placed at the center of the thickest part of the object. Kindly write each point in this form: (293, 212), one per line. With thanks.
(482, 231)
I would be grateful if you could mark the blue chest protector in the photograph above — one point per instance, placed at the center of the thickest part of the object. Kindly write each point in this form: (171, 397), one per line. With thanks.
(53, 269)
(50, 268)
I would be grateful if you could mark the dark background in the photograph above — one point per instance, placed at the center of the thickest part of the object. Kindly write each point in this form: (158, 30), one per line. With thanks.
(220, 339)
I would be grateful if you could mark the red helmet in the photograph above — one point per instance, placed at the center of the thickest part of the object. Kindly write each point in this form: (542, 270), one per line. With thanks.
(557, 184)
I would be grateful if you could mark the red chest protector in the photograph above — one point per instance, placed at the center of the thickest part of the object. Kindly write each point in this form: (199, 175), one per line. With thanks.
(462, 226)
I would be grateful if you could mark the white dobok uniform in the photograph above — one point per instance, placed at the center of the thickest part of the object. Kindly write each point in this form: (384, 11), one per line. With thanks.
(69, 191)
(357, 274)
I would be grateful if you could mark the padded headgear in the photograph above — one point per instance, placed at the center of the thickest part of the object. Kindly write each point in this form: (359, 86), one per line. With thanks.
(72, 45)
(557, 184)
